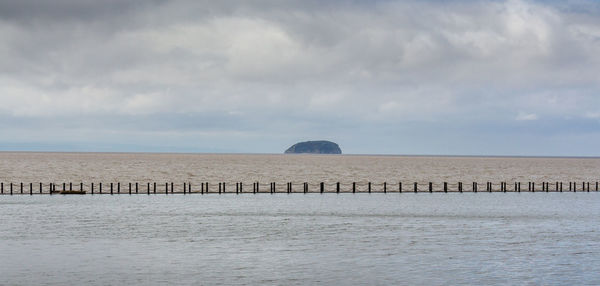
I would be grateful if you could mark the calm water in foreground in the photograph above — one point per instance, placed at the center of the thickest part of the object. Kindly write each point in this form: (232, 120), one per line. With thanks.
(344, 239)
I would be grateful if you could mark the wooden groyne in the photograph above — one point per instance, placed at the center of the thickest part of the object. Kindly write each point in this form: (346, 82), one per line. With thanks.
(290, 187)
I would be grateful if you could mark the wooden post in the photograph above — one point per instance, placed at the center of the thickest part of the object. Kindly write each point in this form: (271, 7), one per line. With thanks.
(242, 187)
(399, 187)
(529, 186)
(171, 187)
(21, 188)
(337, 187)
(474, 187)
(588, 187)
(460, 187)
(505, 187)
(353, 187)
(81, 187)
(118, 187)
(30, 189)
(11, 189)
(154, 189)
(70, 186)
(219, 188)
(40, 188)
(2, 188)
(384, 187)
(416, 187)
(166, 188)
(430, 187)
(322, 187)
(369, 187)
(305, 187)
(237, 188)
(92, 188)
(596, 186)
(533, 187)
(184, 187)
(561, 187)
(111, 188)
(130, 188)
(445, 187)
(136, 188)
(100, 186)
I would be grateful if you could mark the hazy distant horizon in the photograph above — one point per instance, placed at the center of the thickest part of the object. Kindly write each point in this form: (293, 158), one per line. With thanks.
(281, 153)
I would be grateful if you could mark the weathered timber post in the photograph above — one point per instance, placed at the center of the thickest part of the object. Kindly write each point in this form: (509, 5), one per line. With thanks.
(166, 188)
(148, 188)
(40, 188)
(154, 188)
(430, 187)
(21, 187)
(118, 187)
(92, 188)
(561, 187)
(399, 187)
(588, 187)
(237, 188)
(529, 186)
(219, 188)
(30, 189)
(172, 187)
(460, 187)
(416, 189)
(100, 187)
(11, 189)
(353, 187)
(2, 188)
(184, 187)
(81, 187)
(136, 188)
(369, 187)
(384, 187)
(519, 185)
(445, 187)
(533, 187)
(130, 188)
(322, 187)
(111, 188)
(596, 186)
(305, 187)
(337, 187)
(70, 186)
(242, 187)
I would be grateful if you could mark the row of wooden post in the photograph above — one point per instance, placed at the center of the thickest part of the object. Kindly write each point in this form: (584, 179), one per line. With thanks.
(187, 187)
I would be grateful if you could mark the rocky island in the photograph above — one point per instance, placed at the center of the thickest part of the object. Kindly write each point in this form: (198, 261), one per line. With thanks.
(314, 147)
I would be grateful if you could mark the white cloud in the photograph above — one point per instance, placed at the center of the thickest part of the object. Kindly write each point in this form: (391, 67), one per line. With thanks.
(522, 116)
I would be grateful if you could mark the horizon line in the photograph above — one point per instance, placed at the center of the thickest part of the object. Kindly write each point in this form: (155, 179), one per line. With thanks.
(302, 154)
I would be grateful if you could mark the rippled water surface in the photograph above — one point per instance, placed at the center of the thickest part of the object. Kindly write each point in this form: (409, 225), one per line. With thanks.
(297, 239)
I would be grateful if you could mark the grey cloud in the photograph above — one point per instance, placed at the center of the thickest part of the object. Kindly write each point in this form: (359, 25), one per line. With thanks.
(254, 67)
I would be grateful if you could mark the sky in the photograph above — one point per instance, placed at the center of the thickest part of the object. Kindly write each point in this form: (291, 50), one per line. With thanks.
(463, 77)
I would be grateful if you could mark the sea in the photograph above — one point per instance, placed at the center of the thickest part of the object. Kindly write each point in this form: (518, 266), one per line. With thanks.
(393, 238)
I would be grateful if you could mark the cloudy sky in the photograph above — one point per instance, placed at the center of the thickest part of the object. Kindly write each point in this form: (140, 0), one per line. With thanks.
(386, 77)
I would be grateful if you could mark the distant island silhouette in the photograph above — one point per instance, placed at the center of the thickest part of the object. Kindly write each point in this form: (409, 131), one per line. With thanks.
(314, 147)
